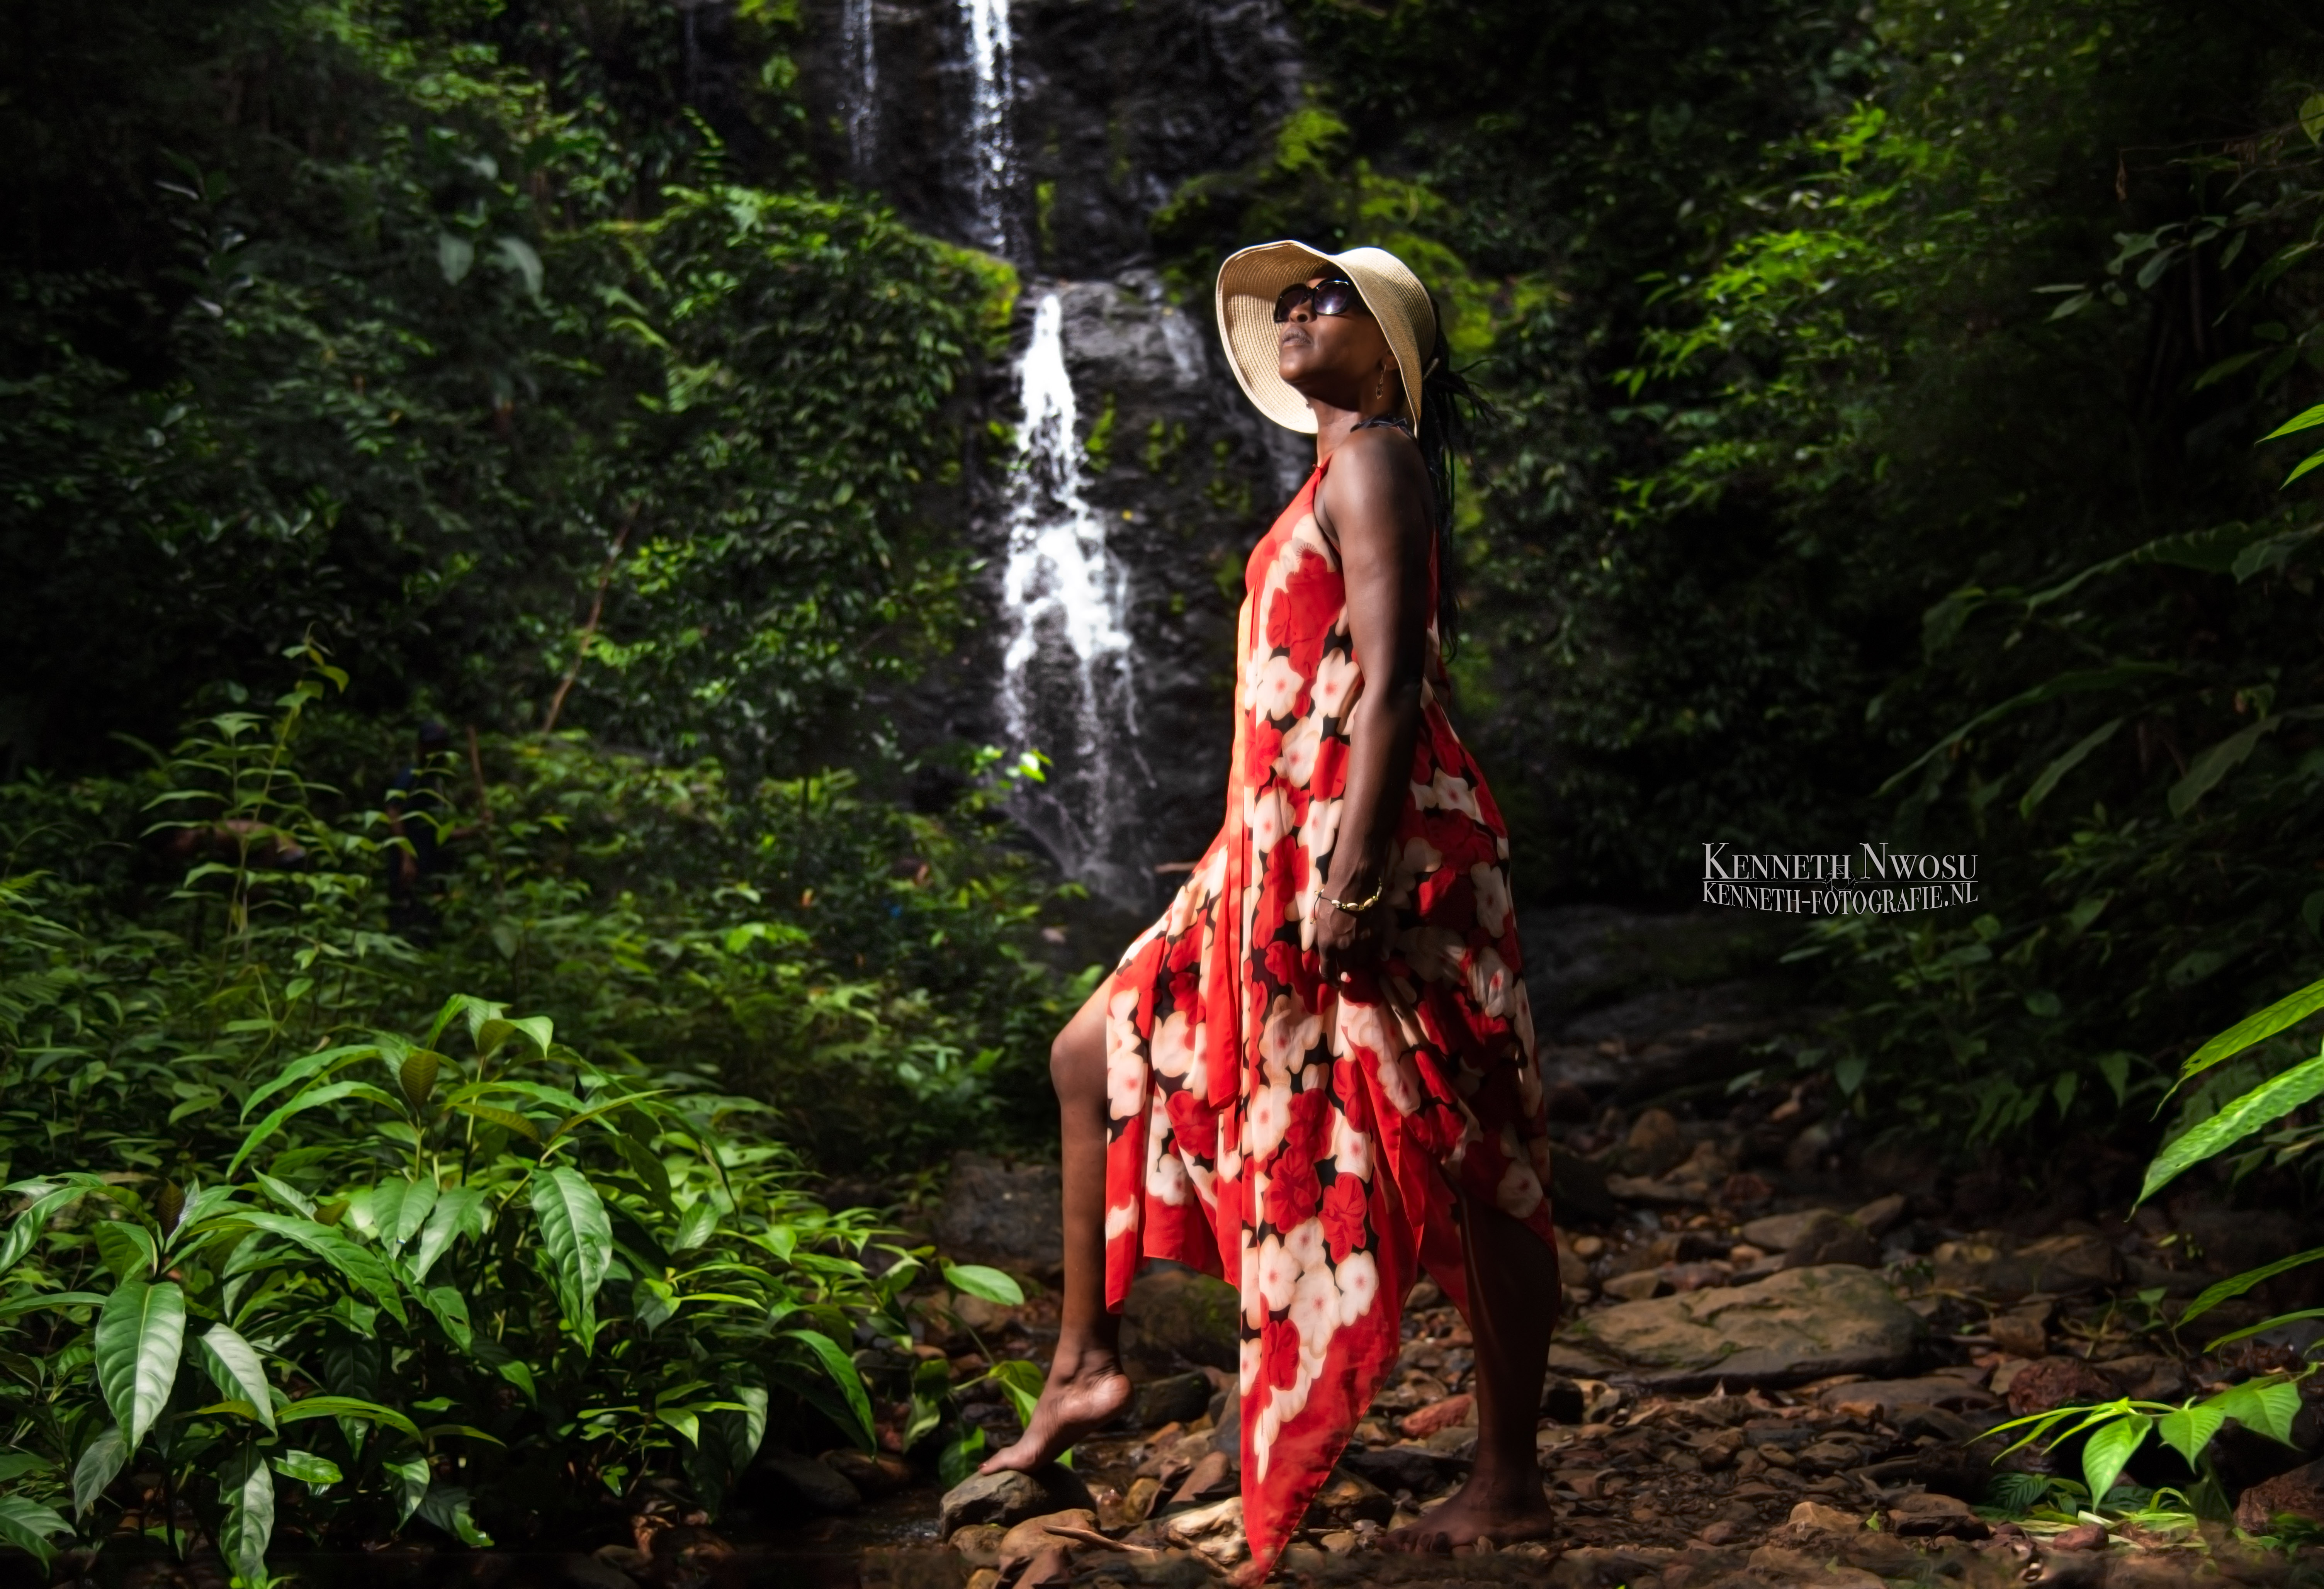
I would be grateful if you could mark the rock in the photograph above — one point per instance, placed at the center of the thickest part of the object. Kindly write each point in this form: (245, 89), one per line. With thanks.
(1831, 1239)
(1876, 1215)
(1889, 1395)
(2081, 1537)
(1031, 1537)
(1562, 1400)
(1116, 1512)
(2056, 1381)
(2020, 1334)
(1346, 1499)
(1801, 1324)
(1988, 1266)
(1635, 1286)
(1182, 1398)
(1917, 1418)
(1775, 1233)
(1452, 1412)
(1812, 1516)
(1226, 1434)
(1577, 1189)
(1215, 1530)
(1009, 1497)
(2299, 1493)
(815, 1484)
(1653, 1146)
(1399, 1467)
(872, 1476)
(1009, 1215)
(1743, 1191)
(1929, 1516)
(1176, 1315)
(1572, 1268)
(586, 1571)
(979, 1544)
(1213, 1474)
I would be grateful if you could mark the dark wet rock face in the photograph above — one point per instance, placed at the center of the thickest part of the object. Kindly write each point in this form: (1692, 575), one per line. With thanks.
(1005, 1214)
(1115, 106)
(1175, 1316)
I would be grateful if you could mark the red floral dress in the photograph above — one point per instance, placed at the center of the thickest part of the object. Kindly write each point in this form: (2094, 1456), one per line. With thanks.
(1298, 1136)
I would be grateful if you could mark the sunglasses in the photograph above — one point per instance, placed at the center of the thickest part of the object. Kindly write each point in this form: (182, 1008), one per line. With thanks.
(1336, 295)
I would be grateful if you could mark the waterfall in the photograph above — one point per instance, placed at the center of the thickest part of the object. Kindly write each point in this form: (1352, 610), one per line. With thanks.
(860, 102)
(1067, 675)
(991, 48)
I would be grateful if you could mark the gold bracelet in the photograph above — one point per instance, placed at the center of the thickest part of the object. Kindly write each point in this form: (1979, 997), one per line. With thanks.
(1360, 907)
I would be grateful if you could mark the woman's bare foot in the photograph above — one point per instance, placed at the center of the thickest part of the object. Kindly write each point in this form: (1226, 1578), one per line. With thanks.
(1504, 1513)
(1085, 1391)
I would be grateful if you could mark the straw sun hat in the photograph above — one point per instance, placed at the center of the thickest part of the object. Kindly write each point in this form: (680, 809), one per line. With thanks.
(1248, 285)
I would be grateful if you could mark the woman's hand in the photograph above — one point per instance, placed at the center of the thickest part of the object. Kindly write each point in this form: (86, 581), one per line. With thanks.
(1350, 941)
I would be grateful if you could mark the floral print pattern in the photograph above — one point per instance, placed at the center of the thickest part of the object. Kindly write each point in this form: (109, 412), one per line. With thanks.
(1302, 1139)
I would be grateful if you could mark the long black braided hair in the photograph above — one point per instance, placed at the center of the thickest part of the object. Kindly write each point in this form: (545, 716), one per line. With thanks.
(1450, 409)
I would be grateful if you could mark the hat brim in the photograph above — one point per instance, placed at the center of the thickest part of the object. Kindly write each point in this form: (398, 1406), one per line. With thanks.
(1252, 280)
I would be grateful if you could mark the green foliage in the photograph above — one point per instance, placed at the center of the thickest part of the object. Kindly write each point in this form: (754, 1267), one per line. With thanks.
(275, 1219)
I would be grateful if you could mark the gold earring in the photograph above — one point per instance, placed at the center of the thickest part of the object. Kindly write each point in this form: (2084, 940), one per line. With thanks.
(1380, 388)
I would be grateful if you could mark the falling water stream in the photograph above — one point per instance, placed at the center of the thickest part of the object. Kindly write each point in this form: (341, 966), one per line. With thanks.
(861, 100)
(1066, 686)
(1066, 677)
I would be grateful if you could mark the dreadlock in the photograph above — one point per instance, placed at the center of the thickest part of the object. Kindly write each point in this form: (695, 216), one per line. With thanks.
(1450, 409)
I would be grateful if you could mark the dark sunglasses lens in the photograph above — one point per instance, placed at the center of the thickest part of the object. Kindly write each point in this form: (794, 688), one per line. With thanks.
(1328, 297)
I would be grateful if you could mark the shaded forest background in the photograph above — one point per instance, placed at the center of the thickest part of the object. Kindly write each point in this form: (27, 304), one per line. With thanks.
(1878, 390)
(1883, 392)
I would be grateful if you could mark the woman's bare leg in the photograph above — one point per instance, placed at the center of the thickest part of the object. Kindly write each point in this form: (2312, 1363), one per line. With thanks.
(1513, 1296)
(1086, 1385)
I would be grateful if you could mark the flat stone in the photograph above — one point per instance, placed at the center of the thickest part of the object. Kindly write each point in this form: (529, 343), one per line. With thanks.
(1831, 1239)
(1177, 1316)
(2060, 1266)
(1029, 1539)
(1346, 1498)
(1181, 1397)
(1929, 1515)
(1009, 1497)
(1400, 1468)
(1010, 1216)
(815, 1482)
(1889, 1395)
(1804, 1324)
(1876, 1215)
(1775, 1233)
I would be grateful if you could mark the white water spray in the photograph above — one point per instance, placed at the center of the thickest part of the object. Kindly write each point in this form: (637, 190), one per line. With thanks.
(1066, 681)
(991, 154)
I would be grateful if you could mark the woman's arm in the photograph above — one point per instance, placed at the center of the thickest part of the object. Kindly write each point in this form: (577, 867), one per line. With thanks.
(1374, 504)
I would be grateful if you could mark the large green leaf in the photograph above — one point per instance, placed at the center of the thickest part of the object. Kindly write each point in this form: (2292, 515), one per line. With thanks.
(2057, 769)
(366, 1269)
(412, 1477)
(300, 1069)
(27, 1230)
(315, 1099)
(2268, 1102)
(29, 1526)
(127, 1249)
(578, 1238)
(308, 1407)
(2235, 1285)
(236, 1371)
(2268, 1406)
(457, 1212)
(841, 1370)
(2292, 1008)
(99, 1464)
(990, 1284)
(140, 1335)
(2106, 1451)
(2189, 1429)
(247, 1485)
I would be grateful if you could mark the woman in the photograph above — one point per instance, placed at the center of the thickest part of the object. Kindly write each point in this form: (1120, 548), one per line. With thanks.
(1314, 1075)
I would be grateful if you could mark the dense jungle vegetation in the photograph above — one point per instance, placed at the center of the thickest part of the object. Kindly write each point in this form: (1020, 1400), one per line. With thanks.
(1882, 392)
